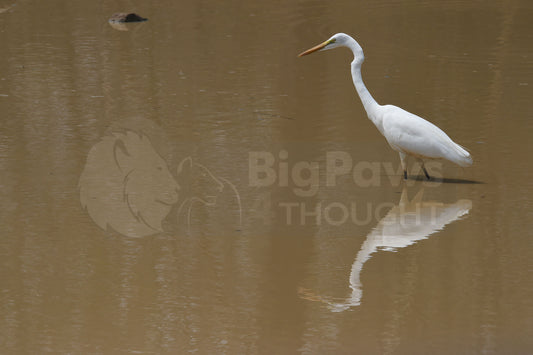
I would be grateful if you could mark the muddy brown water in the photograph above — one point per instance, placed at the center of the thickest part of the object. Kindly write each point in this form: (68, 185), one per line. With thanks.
(187, 184)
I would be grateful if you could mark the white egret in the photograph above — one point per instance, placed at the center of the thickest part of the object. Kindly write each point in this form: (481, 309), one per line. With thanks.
(405, 132)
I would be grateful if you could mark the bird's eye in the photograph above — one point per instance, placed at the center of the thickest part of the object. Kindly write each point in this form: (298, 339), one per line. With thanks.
(333, 40)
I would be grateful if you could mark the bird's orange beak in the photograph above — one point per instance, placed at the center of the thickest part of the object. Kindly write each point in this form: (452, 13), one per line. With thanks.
(314, 49)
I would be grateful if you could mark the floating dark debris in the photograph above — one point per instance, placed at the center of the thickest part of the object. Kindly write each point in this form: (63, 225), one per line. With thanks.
(126, 17)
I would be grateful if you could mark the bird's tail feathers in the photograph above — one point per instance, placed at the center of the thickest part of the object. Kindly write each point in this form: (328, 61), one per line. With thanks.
(461, 157)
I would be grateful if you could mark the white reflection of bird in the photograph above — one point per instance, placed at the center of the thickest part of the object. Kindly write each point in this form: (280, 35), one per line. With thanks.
(405, 224)
(406, 133)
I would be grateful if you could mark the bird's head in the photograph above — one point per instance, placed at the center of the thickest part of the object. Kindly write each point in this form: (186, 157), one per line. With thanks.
(337, 40)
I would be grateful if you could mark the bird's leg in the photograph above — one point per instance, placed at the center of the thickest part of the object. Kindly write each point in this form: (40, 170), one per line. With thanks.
(425, 171)
(404, 167)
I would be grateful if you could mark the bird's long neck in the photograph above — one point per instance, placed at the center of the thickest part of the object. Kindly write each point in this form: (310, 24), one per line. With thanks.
(370, 105)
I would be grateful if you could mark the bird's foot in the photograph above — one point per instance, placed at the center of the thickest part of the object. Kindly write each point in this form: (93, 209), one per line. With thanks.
(426, 173)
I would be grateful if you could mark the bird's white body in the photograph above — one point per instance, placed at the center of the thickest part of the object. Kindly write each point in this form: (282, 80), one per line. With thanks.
(412, 135)
(405, 132)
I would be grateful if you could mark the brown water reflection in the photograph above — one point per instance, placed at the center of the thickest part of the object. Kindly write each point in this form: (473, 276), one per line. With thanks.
(105, 134)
